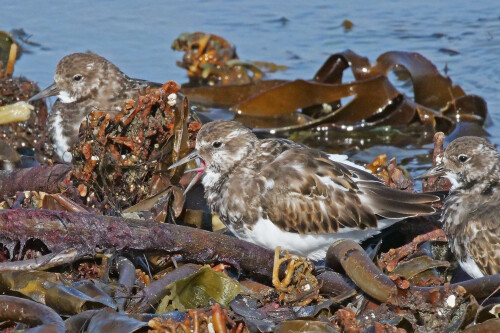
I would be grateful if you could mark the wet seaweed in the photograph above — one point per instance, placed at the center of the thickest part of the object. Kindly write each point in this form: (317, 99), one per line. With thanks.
(59, 248)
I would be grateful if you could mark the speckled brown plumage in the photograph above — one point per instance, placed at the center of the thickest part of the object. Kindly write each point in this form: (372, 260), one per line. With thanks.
(250, 183)
(471, 213)
(85, 82)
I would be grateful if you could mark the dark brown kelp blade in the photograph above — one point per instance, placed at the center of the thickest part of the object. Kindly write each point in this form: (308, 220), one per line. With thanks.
(32, 284)
(431, 89)
(110, 321)
(81, 296)
(374, 100)
(227, 96)
(181, 136)
(40, 317)
(301, 94)
(414, 266)
(469, 108)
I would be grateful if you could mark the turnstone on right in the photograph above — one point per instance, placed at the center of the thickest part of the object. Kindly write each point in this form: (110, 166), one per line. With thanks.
(275, 192)
(471, 213)
(85, 82)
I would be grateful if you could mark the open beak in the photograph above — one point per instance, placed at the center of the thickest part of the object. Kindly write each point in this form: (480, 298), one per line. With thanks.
(193, 155)
(436, 171)
(51, 90)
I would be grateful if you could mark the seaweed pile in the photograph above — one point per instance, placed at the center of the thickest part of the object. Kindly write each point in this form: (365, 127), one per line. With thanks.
(119, 162)
(103, 245)
(22, 132)
(341, 109)
(211, 60)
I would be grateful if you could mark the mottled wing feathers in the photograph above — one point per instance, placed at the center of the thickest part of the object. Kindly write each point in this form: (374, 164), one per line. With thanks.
(388, 202)
(315, 196)
(409, 197)
(132, 88)
(321, 196)
(388, 205)
(483, 232)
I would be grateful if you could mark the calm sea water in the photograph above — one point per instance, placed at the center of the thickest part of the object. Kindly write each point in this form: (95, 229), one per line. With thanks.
(136, 36)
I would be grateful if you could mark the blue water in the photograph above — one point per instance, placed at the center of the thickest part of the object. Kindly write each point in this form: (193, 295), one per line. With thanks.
(136, 36)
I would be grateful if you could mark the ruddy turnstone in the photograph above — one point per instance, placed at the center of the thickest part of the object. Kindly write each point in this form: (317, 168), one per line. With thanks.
(275, 192)
(85, 82)
(471, 212)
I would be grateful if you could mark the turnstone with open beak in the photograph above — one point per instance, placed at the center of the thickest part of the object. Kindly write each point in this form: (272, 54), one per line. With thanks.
(85, 82)
(275, 192)
(471, 213)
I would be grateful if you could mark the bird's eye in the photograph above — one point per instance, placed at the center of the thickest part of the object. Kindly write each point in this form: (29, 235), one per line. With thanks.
(463, 158)
(77, 77)
(216, 144)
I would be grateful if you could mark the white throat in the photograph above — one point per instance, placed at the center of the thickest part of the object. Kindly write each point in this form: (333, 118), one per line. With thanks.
(210, 178)
(65, 97)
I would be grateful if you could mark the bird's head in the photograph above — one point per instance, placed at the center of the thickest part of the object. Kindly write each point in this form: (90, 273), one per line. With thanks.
(221, 145)
(79, 75)
(467, 161)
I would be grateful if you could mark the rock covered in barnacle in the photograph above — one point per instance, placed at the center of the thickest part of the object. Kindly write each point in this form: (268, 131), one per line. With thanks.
(119, 160)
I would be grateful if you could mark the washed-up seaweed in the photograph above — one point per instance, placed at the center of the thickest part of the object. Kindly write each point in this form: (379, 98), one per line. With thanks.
(113, 274)
(437, 103)
(437, 183)
(300, 291)
(122, 160)
(46, 178)
(211, 60)
(437, 308)
(31, 313)
(9, 53)
(198, 290)
(391, 174)
(23, 138)
(89, 235)
(26, 136)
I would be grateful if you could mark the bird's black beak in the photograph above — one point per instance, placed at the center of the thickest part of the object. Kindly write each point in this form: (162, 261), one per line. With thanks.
(51, 90)
(435, 171)
(191, 156)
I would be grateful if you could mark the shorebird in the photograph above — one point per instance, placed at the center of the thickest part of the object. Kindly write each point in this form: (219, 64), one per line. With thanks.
(84, 82)
(275, 192)
(471, 211)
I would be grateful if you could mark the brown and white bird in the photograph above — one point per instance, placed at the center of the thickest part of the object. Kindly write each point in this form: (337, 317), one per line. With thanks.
(275, 192)
(471, 213)
(85, 82)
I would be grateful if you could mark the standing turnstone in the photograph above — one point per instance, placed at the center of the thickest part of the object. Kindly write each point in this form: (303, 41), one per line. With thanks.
(471, 211)
(275, 192)
(85, 82)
